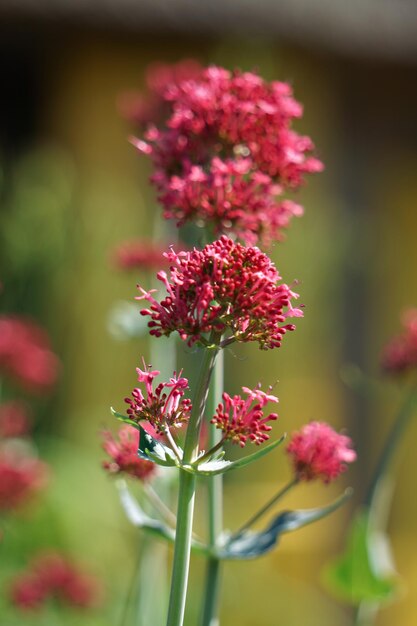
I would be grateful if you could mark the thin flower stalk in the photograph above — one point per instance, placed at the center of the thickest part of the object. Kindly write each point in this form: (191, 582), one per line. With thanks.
(186, 496)
(150, 578)
(263, 510)
(215, 505)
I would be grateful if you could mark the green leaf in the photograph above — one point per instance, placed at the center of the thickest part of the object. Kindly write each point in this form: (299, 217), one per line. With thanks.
(364, 572)
(124, 418)
(152, 450)
(250, 545)
(219, 465)
(263, 450)
(210, 468)
(137, 516)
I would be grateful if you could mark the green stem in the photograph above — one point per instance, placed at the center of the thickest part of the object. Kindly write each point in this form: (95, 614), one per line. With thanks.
(211, 451)
(215, 506)
(160, 506)
(367, 611)
(393, 439)
(186, 494)
(281, 493)
(172, 443)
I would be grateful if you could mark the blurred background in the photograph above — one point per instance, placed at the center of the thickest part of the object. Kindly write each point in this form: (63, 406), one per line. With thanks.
(73, 188)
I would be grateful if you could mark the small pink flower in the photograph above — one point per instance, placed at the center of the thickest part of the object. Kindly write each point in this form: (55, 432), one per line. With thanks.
(124, 454)
(26, 355)
(21, 476)
(400, 354)
(226, 288)
(318, 451)
(53, 576)
(162, 407)
(241, 419)
(14, 419)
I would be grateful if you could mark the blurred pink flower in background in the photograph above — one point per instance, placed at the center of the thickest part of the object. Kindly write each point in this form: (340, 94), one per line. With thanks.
(26, 355)
(54, 576)
(141, 108)
(318, 451)
(143, 255)
(21, 476)
(400, 354)
(14, 419)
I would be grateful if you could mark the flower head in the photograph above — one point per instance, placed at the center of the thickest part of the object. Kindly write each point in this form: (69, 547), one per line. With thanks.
(243, 419)
(26, 355)
(318, 451)
(226, 288)
(227, 151)
(400, 354)
(124, 454)
(21, 476)
(162, 407)
(53, 576)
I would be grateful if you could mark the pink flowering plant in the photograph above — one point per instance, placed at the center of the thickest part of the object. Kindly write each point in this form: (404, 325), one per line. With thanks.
(226, 157)
(364, 575)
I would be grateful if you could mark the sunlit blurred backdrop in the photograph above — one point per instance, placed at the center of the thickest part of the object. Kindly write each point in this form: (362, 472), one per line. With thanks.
(73, 188)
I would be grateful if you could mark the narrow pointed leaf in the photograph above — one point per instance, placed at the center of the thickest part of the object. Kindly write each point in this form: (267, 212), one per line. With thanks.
(263, 450)
(250, 545)
(220, 465)
(124, 418)
(364, 572)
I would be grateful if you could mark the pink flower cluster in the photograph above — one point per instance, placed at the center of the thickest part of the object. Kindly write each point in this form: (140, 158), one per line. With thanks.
(318, 451)
(242, 419)
(26, 355)
(124, 454)
(161, 409)
(52, 576)
(230, 196)
(21, 476)
(226, 154)
(225, 288)
(139, 255)
(400, 355)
